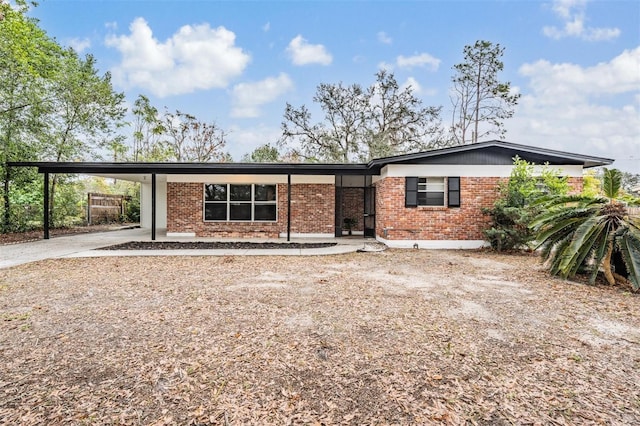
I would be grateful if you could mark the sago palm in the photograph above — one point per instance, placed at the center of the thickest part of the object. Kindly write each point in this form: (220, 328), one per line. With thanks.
(579, 233)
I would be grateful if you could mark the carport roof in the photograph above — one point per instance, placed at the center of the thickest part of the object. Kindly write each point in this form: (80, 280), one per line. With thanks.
(479, 153)
(199, 168)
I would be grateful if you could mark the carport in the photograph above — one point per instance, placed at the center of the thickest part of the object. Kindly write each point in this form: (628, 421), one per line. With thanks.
(152, 173)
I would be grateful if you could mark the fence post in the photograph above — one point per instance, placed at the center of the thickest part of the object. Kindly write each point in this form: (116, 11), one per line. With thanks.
(88, 208)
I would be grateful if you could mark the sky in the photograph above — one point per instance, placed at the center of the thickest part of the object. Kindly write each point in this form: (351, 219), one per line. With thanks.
(576, 63)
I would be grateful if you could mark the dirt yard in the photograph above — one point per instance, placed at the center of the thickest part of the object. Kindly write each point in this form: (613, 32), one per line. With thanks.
(396, 337)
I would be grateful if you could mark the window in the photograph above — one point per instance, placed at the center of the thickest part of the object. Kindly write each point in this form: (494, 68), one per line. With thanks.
(242, 203)
(430, 191)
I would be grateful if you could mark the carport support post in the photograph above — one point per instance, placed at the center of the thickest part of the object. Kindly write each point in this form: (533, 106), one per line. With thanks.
(153, 206)
(289, 207)
(46, 205)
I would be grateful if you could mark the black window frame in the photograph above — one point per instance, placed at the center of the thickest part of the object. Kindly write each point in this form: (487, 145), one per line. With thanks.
(235, 206)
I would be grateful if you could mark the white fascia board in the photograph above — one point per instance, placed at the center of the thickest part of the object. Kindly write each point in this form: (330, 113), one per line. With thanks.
(266, 179)
(435, 244)
(403, 170)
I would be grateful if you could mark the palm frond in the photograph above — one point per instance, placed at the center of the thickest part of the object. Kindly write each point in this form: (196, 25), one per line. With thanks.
(555, 215)
(580, 244)
(628, 242)
(548, 237)
(597, 254)
(559, 250)
(611, 182)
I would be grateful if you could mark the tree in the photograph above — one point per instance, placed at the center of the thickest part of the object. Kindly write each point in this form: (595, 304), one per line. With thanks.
(629, 181)
(590, 184)
(84, 113)
(28, 60)
(263, 154)
(480, 101)
(147, 132)
(581, 233)
(514, 209)
(337, 140)
(397, 122)
(189, 139)
(361, 124)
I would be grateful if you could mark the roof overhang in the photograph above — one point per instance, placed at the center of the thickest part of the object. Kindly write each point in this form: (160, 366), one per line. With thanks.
(134, 171)
(541, 154)
(110, 169)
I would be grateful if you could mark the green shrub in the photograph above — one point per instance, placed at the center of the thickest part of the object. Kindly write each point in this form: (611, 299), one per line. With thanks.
(513, 211)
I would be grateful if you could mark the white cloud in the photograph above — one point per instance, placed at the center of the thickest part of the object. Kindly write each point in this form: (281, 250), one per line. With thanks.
(247, 98)
(79, 44)
(385, 66)
(384, 38)
(417, 88)
(620, 75)
(592, 110)
(266, 27)
(418, 60)
(195, 58)
(303, 53)
(243, 140)
(573, 13)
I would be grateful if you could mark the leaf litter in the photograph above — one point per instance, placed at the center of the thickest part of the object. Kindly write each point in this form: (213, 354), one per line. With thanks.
(393, 337)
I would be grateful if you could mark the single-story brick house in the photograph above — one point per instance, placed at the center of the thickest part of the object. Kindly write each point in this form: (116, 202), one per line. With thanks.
(433, 199)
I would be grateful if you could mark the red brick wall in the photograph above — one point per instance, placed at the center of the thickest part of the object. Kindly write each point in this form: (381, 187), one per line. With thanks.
(575, 185)
(439, 223)
(312, 208)
(434, 223)
(312, 211)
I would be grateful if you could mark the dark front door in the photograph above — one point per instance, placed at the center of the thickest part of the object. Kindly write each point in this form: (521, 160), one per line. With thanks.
(370, 211)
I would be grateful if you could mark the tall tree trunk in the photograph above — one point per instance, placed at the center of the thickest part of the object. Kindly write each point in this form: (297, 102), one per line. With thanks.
(474, 136)
(606, 263)
(5, 198)
(6, 176)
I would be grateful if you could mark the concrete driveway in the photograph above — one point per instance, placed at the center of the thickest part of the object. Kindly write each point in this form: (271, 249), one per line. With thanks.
(85, 245)
(17, 254)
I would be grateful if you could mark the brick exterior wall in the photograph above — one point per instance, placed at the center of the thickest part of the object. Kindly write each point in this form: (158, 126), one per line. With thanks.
(575, 184)
(313, 208)
(439, 223)
(312, 211)
(434, 223)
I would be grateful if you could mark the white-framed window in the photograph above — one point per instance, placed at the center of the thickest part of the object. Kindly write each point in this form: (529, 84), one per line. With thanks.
(431, 191)
(228, 202)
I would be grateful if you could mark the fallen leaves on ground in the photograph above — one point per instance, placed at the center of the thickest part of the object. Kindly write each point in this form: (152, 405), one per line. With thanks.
(393, 337)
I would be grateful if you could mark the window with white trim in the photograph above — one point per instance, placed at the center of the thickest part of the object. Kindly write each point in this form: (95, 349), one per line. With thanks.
(431, 191)
(240, 202)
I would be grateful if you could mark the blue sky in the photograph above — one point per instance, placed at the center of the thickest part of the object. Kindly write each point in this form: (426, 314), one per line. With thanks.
(576, 63)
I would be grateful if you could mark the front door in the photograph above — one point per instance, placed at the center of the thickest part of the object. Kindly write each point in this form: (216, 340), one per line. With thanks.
(370, 211)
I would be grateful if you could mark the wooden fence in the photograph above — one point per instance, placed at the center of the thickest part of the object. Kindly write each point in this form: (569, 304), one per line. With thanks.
(105, 208)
